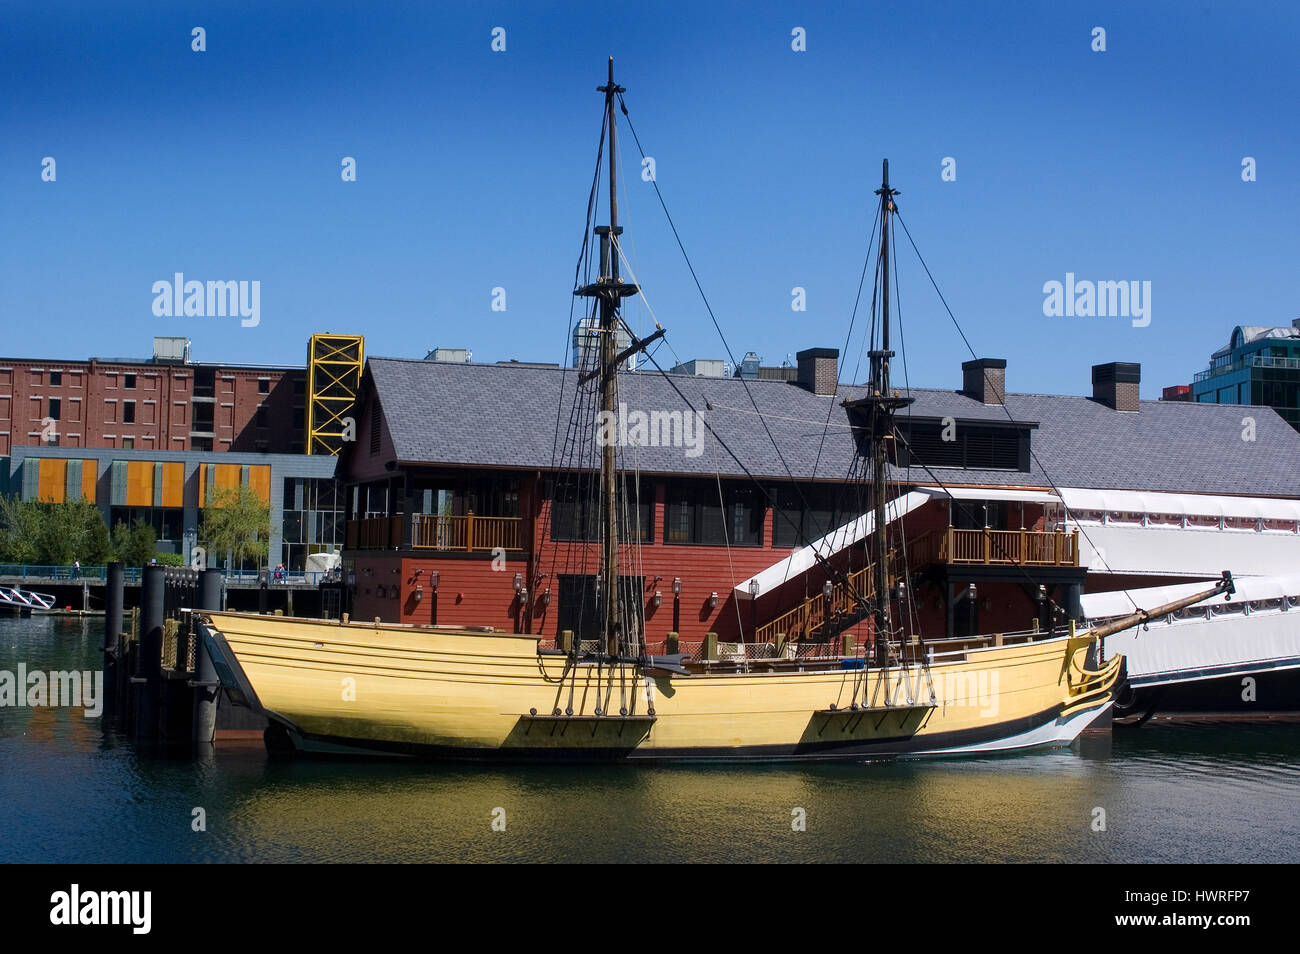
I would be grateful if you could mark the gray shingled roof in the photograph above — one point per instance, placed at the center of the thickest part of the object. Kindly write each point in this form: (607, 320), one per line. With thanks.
(504, 416)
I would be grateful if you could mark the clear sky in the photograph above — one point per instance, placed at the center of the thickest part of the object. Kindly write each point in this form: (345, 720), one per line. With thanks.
(473, 168)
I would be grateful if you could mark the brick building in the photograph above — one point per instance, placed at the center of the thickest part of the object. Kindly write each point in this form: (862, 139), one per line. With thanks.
(166, 403)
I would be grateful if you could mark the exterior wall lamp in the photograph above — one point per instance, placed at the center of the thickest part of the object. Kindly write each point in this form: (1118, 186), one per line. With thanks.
(657, 600)
(753, 589)
(677, 586)
(713, 600)
(419, 593)
(519, 582)
(546, 596)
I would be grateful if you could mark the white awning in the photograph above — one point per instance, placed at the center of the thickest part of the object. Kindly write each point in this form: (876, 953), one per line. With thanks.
(989, 493)
(1198, 505)
(805, 559)
(1122, 602)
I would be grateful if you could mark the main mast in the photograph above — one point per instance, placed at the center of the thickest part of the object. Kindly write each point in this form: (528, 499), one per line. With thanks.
(610, 290)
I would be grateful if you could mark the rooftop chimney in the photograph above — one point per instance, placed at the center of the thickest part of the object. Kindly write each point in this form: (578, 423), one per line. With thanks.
(984, 379)
(817, 370)
(1116, 384)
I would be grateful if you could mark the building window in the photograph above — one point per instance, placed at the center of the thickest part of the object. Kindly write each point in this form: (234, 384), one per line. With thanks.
(695, 514)
(56, 409)
(263, 385)
(805, 514)
(261, 416)
(968, 446)
(299, 418)
(299, 385)
(201, 443)
(56, 377)
(128, 381)
(128, 443)
(128, 412)
(575, 510)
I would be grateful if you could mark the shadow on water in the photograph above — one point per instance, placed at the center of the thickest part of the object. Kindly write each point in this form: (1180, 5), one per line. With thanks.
(72, 790)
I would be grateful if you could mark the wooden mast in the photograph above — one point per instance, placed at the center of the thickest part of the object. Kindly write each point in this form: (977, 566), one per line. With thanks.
(610, 290)
(879, 406)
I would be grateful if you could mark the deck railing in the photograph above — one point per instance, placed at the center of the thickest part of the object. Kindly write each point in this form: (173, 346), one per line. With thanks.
(431, 531)
(999, 547)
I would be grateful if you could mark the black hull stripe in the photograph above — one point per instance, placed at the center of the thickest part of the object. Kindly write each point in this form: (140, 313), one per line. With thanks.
(854, 750)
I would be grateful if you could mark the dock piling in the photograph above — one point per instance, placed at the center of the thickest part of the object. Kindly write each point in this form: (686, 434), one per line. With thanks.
(205, 683)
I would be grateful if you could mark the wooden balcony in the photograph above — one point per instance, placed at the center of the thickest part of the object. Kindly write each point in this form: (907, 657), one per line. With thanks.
(1006, 547)
(429, 531)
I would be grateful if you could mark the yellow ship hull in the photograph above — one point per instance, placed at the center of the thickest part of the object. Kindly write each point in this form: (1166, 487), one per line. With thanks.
(437, 693)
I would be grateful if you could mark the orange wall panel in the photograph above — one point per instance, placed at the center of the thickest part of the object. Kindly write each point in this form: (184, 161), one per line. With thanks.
(173, 484)
(52, 480)
(259, 478)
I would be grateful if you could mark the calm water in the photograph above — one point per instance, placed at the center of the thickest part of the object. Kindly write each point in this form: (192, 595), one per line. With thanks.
(71, 792)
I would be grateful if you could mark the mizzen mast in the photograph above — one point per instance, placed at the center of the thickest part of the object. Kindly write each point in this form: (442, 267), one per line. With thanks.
(880, 403)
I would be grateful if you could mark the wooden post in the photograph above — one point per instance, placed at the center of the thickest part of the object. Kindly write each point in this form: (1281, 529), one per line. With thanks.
(469, 531)
(846, 644)
(565, 641)
(988, 545)
(781, 640)
(710, 646)
(672, 645)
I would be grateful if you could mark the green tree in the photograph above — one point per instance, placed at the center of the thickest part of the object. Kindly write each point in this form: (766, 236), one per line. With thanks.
(20, 530)
(73, 532)
(134, 545)
(235, 521)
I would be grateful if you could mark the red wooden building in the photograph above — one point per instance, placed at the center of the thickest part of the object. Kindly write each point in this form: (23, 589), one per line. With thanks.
(458, 513)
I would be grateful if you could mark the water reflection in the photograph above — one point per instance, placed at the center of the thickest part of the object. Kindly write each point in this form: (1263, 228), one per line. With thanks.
(73, 790)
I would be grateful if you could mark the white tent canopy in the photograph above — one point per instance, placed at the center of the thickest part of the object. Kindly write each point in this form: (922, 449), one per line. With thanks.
(1121, 602)
(1199, 505)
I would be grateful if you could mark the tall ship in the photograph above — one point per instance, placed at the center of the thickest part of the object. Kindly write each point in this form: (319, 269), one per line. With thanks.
(601, 689)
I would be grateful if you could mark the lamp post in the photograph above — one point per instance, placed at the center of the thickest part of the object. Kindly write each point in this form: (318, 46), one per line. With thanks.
(970, 604)
(828, 591)
(677, 604)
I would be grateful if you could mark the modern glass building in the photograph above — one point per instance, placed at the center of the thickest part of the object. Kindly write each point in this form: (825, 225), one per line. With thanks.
(1259, 365)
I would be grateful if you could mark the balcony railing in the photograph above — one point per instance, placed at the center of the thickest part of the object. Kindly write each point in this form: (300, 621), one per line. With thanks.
(1250, 361)
(431, 531)
(1023, 547)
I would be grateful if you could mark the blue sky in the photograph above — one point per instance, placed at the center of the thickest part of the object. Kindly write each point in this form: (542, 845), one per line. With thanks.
(473, 168)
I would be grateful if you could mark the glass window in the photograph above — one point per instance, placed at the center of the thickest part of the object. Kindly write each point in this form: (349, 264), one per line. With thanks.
(56, 409)
(128, 412)
(128, 381)
(56, 377)
(695, 514)
(263, 385)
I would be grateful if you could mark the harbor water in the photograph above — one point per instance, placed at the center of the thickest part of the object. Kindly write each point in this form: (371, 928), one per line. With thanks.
(72, 790)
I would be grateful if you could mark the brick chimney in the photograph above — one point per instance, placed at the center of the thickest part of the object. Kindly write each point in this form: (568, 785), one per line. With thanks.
(817, 369)
(984, 379)
(1116, 384)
